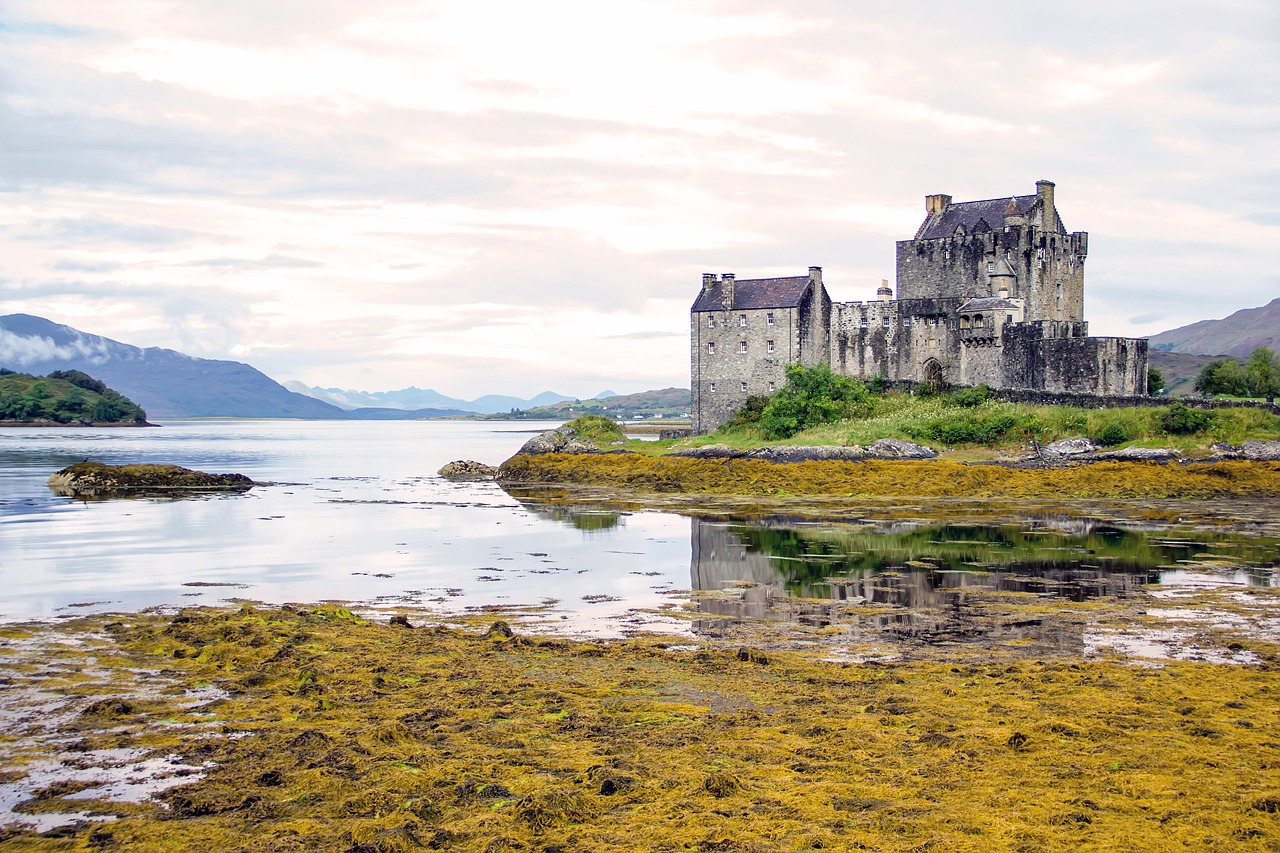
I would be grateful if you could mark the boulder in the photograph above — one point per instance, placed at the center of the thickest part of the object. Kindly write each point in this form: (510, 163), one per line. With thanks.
(803, 453)
(896, 448)
(95, 479)
(466, 469)
(566, 439)
(1261, 451)
(1139, 454)
(1069, 447)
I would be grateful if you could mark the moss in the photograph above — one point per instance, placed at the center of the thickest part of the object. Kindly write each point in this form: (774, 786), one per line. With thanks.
(95, 479)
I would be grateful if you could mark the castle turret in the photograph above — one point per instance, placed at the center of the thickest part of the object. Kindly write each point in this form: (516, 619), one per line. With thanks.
(1004, 280)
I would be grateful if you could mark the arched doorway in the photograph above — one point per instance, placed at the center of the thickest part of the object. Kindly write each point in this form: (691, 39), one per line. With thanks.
(932, 374)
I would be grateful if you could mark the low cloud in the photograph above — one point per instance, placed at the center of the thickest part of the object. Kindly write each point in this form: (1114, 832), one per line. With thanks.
(23, 350)
(270, 262)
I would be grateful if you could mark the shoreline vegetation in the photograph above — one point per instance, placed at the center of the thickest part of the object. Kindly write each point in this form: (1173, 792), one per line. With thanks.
(64, 398)
(289, 729)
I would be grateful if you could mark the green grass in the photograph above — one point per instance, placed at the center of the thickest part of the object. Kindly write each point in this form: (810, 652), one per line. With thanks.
(939, 422)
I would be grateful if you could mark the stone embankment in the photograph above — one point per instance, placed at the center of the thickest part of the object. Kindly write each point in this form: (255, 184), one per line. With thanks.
(98, 480)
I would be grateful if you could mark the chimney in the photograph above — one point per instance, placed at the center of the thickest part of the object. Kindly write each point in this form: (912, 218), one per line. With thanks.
(936, 203)
(815, 274)
(708, 279)
(884, 293)
(1044, 189)
(726, 290)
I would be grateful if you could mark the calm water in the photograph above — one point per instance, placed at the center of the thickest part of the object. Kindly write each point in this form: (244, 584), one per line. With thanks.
(358, 514)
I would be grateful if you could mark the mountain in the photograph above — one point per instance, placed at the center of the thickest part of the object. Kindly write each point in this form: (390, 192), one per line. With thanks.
(420, 398)
(164, 382)
(667, 403)
(1236, 335)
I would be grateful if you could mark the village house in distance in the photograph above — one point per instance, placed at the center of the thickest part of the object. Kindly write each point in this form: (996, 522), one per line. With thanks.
(989, 293)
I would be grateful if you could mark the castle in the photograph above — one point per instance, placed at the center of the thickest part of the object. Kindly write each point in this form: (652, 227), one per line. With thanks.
(989, 293)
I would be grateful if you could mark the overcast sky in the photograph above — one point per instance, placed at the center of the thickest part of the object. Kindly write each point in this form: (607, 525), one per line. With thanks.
(512, 196)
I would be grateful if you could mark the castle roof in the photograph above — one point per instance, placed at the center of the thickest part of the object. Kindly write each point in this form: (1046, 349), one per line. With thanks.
(972, 215)
(987, 303)
(753, 293)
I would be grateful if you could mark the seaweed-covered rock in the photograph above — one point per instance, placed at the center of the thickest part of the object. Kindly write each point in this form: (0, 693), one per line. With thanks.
(96, 479)
(885, 448)
(587, 434)
(467, 469)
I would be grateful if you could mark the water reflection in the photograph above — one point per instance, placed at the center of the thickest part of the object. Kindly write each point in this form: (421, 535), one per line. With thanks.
(919, 581)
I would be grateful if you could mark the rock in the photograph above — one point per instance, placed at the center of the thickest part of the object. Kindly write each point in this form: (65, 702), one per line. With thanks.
(466, 469)
(1261, 451)
(565, 439)
(710, 451)
(94, 479)
(1069, 447)
(801, 453)
(1139, 454)
(896, 448)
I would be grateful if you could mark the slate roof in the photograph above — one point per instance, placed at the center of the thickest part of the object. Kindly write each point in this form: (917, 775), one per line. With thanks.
(971, 213)
(752, 293)
(986, 303)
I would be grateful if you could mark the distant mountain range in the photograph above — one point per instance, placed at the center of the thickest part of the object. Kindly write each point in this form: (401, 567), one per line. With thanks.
(420, 398)
(1236, 335)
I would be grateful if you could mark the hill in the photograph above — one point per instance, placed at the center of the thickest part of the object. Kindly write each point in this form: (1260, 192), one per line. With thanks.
(422, 398)
(1236, 335)
(166, 383)
(1180, 370)
(666, 403)
(65, 397)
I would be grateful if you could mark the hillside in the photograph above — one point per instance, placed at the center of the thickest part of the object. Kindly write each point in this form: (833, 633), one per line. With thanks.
(1236, 335)
(413, 398)
(666, 403)
(166, 383)
(69, 397)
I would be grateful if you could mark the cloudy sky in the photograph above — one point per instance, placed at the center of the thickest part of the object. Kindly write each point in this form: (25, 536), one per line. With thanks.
(505, 196)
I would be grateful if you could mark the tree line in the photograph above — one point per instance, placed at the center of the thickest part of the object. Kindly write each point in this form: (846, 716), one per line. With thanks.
(72, 395)
(1258, 376)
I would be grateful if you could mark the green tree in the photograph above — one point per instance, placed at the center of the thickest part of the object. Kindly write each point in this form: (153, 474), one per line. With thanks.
(812, 396)
(1262, 371)
(1223, 376)
(1155, 381)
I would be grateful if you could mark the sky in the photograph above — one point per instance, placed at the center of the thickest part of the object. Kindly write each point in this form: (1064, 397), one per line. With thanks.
(496, 196)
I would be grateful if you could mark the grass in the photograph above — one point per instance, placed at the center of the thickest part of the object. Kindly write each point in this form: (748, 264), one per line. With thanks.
(338, 734)
(925, 419)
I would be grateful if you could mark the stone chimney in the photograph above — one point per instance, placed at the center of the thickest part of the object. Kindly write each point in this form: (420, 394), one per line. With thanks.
(936, 203)
(726, 290)
(815, 274)
(885, 293)
(708, 279)
(1044, 189)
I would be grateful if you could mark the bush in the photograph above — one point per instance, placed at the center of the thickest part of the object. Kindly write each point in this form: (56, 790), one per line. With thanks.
(979, 428)
(1111, 435)
(750, 412)
(970, 398)
(1178, 419)
(812, 396)
(597, 429)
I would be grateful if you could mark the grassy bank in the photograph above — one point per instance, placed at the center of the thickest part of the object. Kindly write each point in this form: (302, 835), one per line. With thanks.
(636, 473)
(965, 420)
(339, 734)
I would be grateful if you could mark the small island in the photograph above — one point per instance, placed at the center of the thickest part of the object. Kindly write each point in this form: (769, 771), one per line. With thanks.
(97, 480)
(64, 398)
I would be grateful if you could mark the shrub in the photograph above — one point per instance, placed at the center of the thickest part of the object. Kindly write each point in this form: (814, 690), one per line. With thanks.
(597, 429)
(751, 411)
(970, 398)
(1111, 435)
(1179, 419)
(812, 396)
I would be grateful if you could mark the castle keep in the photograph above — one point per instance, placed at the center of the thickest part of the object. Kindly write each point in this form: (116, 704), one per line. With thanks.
(989, 293)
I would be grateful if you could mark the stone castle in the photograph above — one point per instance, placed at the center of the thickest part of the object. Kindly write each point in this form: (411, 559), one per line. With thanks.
(989, 293)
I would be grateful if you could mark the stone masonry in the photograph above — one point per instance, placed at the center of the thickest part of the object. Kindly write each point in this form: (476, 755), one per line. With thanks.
(989, 293)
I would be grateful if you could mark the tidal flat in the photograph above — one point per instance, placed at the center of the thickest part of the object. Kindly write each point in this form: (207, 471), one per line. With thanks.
(318, 728)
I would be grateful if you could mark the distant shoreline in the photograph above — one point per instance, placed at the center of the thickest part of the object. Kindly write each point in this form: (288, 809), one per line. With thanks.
(55, 425)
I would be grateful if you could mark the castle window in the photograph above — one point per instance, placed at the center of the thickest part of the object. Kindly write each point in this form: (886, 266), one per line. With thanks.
(768, 319)
(713, 387)
(770, 387)
(711, 321)
(769, 346)
(744, 387)
(863, 323)
(742, 346)
(991, 267)
(1008, 318)
(886, 322)
(711, 348)
(977, 321)
(742, 321)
